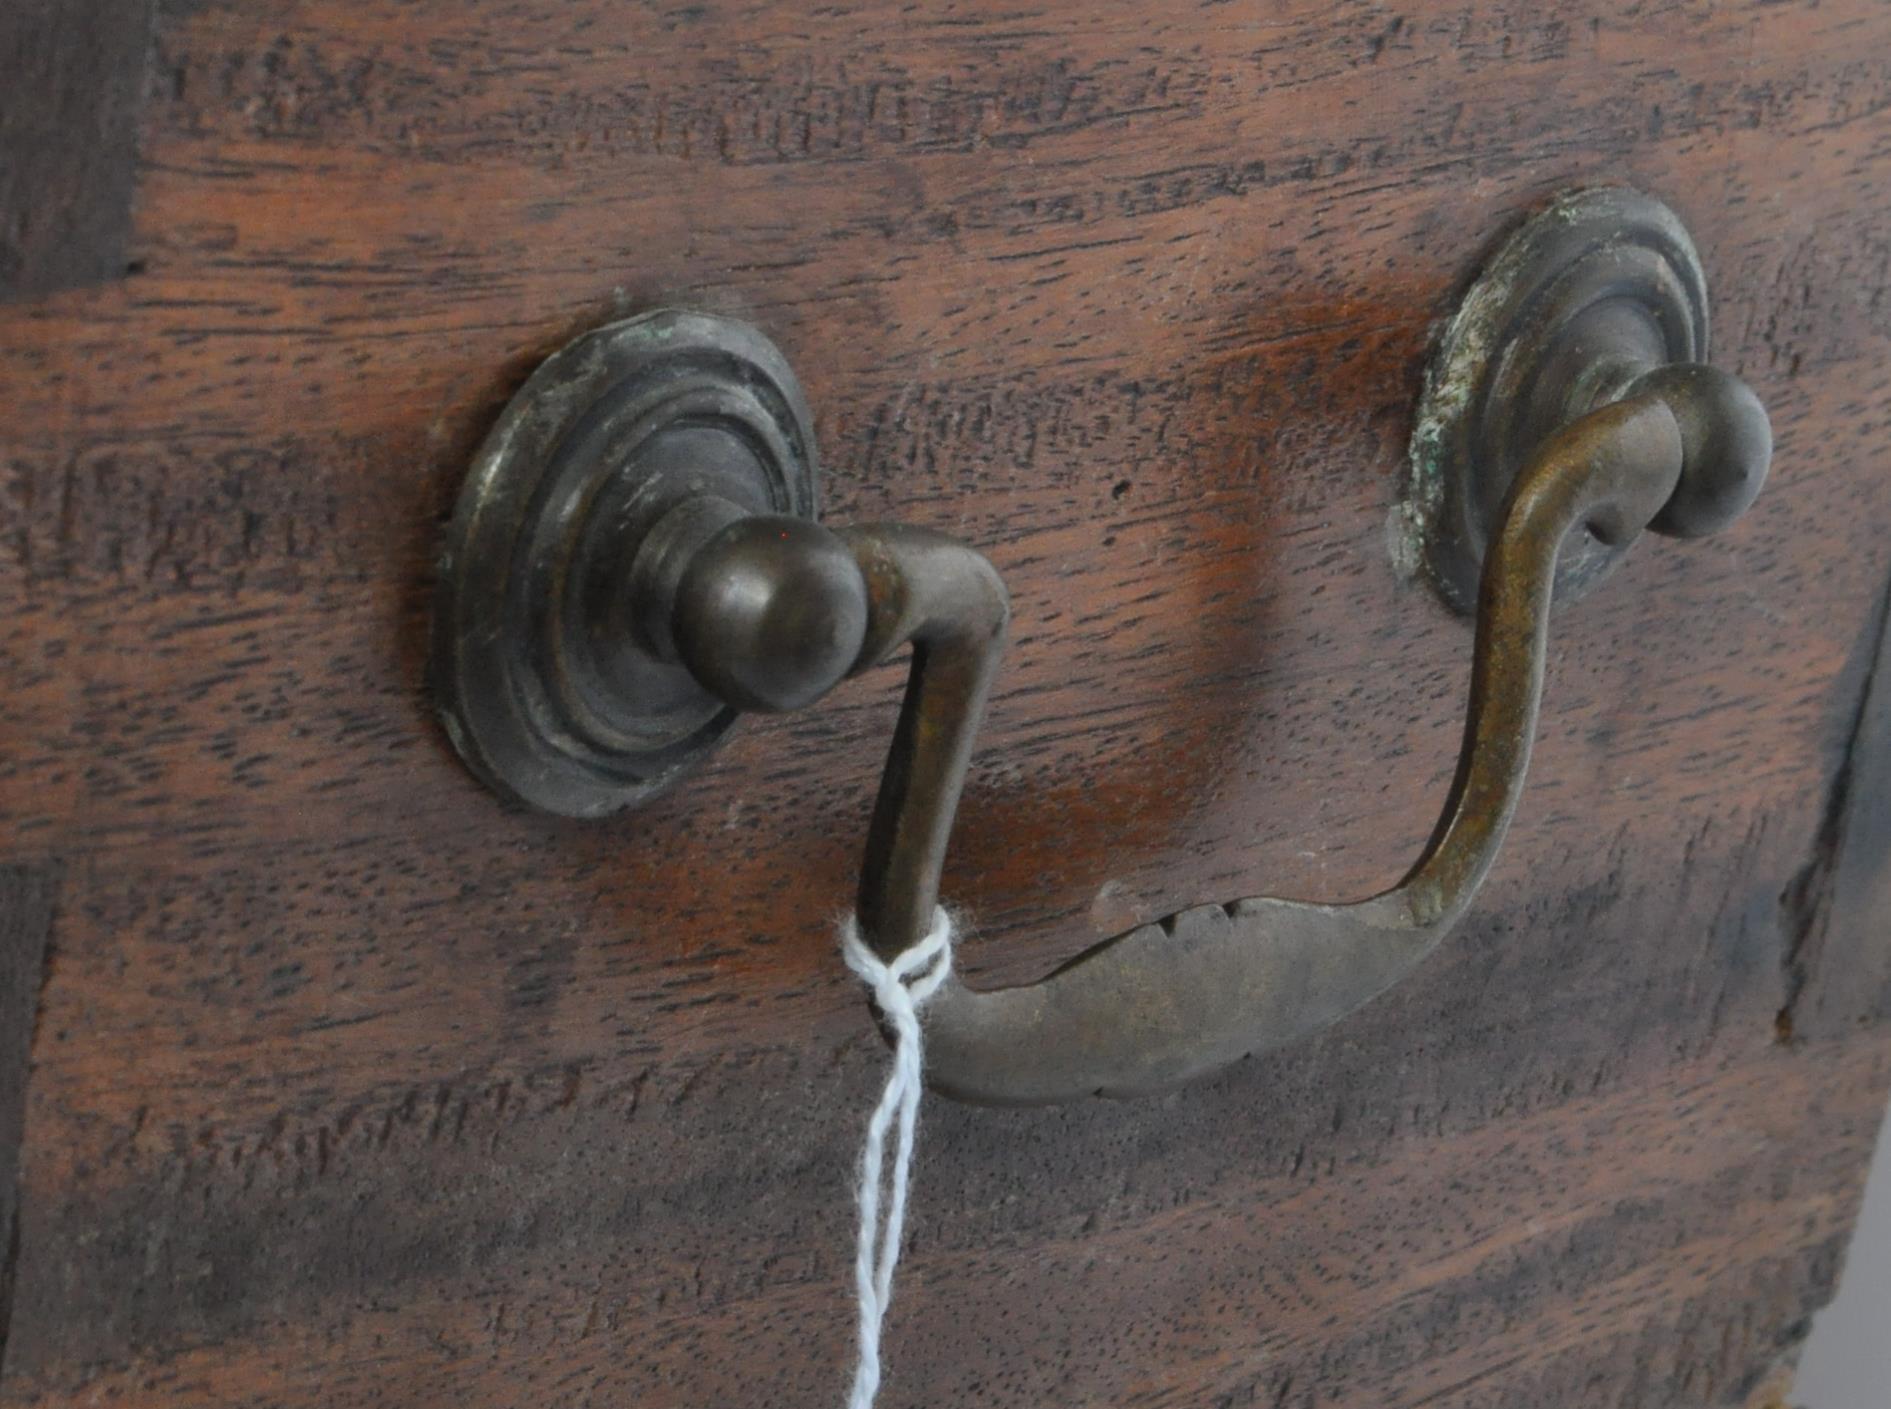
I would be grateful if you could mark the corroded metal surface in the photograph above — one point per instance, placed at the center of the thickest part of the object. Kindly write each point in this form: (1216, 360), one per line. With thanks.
(549, 689)
(1599, 287)
(645, 569)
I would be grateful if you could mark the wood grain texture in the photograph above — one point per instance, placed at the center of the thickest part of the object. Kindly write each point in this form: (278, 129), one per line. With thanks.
(351, 1087)
(75, 80)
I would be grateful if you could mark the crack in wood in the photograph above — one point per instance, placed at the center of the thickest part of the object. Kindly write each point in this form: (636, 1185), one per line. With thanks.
(1854, 833)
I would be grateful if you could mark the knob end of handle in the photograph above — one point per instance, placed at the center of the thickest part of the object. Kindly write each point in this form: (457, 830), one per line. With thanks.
(1727, 444)
(771, 614)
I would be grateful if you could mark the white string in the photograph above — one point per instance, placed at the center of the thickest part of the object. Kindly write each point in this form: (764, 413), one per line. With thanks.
(901, 989)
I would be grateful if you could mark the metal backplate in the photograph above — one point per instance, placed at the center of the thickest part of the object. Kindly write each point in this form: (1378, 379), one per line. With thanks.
(549, 691)
(1599, 288)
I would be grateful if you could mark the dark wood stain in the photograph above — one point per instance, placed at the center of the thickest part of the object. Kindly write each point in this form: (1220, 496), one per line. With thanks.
(26, 913)
(351, 1087)
(74, 84)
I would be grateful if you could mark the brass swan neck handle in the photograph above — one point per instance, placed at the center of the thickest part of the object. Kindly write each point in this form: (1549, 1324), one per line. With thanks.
(601, 621)
(1177, 998)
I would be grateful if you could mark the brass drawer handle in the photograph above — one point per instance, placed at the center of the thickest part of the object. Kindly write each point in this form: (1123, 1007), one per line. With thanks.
(635, 559)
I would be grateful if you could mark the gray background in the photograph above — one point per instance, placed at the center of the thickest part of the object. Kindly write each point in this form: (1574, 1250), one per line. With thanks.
(1847, 1361)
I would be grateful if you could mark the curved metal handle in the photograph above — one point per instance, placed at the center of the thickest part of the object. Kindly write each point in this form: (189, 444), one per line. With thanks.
(1171, 1000)
(634, 560)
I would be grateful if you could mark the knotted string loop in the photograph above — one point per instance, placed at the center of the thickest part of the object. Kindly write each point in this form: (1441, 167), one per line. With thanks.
(901, 989)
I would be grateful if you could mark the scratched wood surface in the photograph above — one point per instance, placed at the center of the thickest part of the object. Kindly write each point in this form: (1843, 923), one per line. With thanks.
(350, 1087)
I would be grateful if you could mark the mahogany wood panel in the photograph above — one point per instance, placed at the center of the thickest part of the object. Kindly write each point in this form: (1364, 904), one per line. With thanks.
(350, 1086)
